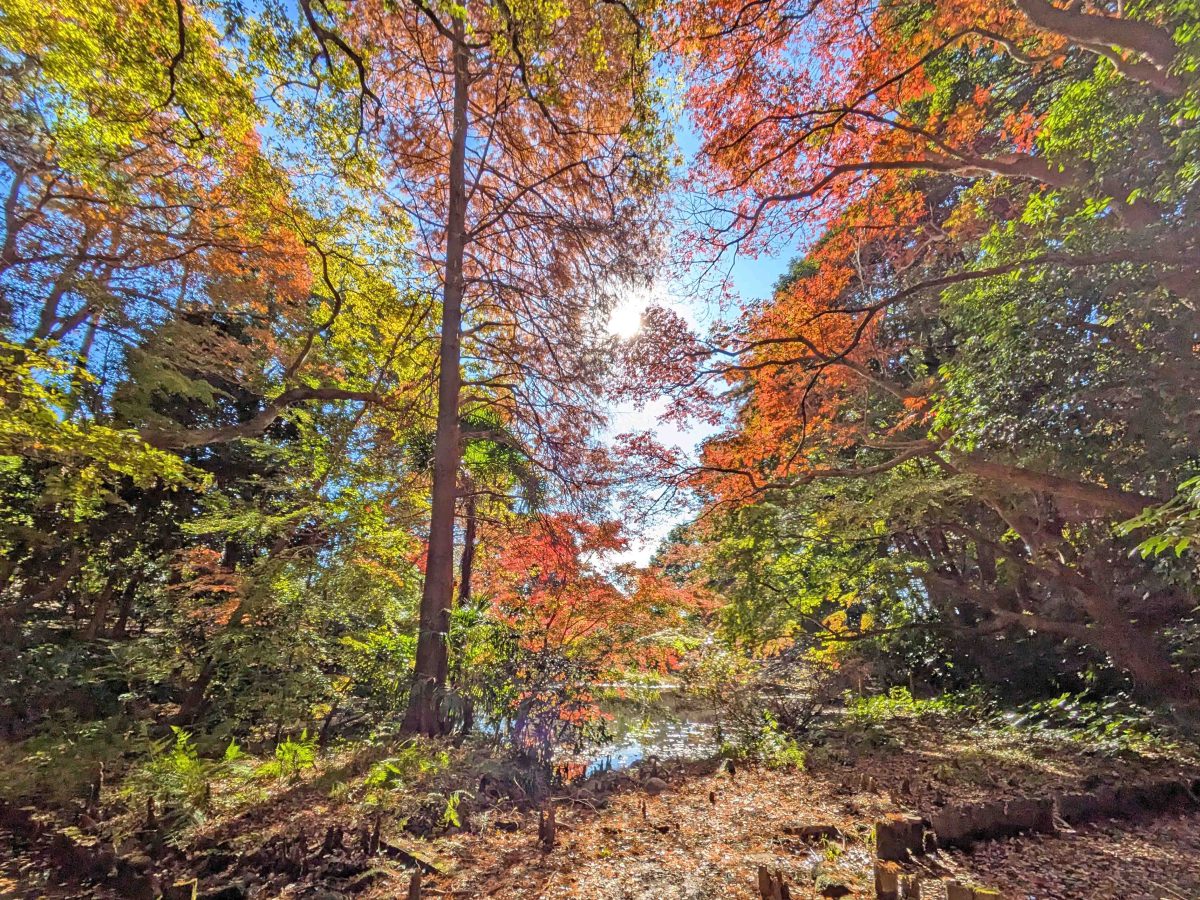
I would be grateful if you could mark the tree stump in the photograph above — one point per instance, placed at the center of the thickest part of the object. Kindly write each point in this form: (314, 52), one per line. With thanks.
(957, 891)
(333, 840)
(951, 826)
(985, 821)
(376, 834)
(546, 828)
(414, 886)
(898, 837)
(181, 890)
(96, 789)
(887, 880)
(814, 832)
(1036, 815)
(772, 886)
(151, 834)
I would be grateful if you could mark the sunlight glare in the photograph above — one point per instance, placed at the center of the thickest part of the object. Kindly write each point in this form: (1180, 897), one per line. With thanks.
(625, 321)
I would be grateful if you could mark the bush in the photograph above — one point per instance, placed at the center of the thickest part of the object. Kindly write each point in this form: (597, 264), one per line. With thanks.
(291, 757)
(179, 780)
(898, 703)
(785, 695)
(1112, 725)
(779, 751)
(532, 700)
(61, 762)
(412, 761)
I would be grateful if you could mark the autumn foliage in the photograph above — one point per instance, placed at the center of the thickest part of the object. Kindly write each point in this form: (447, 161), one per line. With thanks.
(556, 582)
(990, 318)
(307, 384)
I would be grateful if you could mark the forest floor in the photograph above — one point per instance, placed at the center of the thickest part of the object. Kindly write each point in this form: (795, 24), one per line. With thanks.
(705, 833)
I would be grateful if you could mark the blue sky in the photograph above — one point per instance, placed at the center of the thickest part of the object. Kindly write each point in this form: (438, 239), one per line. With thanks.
(751, 278)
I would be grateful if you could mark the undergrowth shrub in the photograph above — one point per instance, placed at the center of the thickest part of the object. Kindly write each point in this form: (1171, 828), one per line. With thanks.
(897, 703)
(291, 757)
(411, 762)
(763, 708)
(779, 750)
(179, 780)
(451, 817)
(59, 764)
(1111, 725)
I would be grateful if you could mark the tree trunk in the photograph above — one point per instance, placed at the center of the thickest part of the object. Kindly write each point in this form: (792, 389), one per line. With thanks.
(49, 314)
(1154, 677)
(194, 700)
(1102, 499)
(1135, 649)
(468, 555)
(120, 629)
(12, 615)
(429, 676)
(100, 609)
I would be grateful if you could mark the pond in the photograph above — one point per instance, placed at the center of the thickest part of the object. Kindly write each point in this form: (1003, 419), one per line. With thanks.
(661, 722)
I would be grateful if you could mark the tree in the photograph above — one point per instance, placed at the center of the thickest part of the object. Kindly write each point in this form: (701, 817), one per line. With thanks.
(205, 325)
(552, 581)
(521, 141)
(994, 328)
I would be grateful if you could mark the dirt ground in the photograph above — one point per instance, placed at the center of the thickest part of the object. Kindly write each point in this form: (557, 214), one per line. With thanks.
(706, 836)
(705, 831)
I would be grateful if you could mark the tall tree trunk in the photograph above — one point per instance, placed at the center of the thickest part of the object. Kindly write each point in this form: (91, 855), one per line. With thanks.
(194, 699)
(432, 662)
(1134, 647)
(467, 565)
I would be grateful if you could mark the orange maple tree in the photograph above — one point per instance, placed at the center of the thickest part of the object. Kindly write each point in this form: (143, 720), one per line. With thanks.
(554, 580)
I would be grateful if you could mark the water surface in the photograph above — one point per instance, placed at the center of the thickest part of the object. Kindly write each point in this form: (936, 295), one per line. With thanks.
(660, 723)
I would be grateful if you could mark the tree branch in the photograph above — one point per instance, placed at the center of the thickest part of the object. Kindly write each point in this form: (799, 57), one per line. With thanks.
(166, 439)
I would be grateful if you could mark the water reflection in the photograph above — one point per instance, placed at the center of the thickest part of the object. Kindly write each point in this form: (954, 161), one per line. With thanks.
(659, 723)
